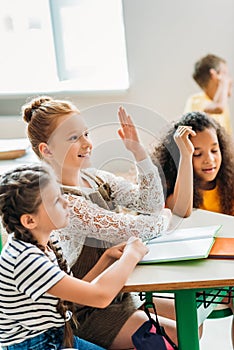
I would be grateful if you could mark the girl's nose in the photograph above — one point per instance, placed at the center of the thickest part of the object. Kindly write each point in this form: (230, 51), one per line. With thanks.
(86, 143)
(209, 157)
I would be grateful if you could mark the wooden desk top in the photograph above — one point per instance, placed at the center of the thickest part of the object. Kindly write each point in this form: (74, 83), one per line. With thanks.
(191, 274)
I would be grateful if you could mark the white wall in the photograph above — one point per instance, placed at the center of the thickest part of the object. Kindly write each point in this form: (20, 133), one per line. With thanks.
(164, 39)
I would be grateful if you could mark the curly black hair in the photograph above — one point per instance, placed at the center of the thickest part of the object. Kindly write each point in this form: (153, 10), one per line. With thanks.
(166, 154)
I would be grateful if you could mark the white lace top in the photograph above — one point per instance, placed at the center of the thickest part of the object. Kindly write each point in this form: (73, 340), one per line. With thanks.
(89, 220)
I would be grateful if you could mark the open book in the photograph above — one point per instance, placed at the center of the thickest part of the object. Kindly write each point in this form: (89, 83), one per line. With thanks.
(181, 244)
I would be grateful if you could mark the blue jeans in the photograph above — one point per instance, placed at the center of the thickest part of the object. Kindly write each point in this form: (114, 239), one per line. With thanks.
(51, 340)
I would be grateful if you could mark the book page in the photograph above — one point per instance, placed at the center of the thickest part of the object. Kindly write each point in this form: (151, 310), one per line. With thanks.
(187, 234)
(178, 250)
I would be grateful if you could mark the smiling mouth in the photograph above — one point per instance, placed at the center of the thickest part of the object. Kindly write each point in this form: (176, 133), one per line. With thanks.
(83, 155)
(209, 170)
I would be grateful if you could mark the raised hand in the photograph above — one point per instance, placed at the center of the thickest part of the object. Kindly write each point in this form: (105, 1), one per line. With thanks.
(183, 141)
(129, 135)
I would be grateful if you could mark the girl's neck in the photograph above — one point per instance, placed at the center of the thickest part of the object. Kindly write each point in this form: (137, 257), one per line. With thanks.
(207, 186)
(41, 237)
(73, 178)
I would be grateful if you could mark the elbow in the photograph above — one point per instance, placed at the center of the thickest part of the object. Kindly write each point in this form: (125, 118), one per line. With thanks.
(218, 109)
(187, 214)
(182, 213)
(102, 300)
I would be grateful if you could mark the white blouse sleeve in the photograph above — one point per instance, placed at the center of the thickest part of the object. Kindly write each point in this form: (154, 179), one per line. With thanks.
(92, 221)
(145, 197)
(89, 220)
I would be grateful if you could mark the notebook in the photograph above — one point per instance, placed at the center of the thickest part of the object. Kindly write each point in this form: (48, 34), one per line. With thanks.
(181, 244)
(223, 248)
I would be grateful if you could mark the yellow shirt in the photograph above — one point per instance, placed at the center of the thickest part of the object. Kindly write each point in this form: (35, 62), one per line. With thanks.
(199, 101)
(211, 201)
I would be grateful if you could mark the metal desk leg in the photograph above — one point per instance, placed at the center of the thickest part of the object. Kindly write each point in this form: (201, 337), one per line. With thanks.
(186, 319)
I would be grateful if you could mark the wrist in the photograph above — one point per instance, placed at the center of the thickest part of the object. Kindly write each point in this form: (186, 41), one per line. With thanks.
(131, 257)
(106, 259)
(188, 156)
(139, 153)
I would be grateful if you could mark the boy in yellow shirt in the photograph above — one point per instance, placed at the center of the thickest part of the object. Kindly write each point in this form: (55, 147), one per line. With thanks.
(212, 75)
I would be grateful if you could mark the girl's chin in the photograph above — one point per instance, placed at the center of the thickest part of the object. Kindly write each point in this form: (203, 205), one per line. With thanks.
(207, 184)
(86, 163)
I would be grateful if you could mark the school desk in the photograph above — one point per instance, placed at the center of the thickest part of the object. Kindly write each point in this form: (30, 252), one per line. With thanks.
(186, 278)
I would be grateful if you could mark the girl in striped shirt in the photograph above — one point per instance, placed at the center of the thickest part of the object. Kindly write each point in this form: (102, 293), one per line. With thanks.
(36, 288)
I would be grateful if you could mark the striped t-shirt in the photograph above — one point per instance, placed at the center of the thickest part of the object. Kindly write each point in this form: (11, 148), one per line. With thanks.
(26, 310)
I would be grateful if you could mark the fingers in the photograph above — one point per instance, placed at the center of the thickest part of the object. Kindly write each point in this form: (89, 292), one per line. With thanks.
(184, 131)
(132, 239)
(124, 118)
(121, 134)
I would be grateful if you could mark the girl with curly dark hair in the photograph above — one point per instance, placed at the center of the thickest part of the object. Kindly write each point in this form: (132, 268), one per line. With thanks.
(197, 163)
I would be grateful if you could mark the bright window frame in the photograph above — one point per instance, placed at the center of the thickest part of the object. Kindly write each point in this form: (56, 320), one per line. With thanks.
(116, 77)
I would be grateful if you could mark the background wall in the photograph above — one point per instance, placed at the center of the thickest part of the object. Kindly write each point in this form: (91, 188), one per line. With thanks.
(164, 39)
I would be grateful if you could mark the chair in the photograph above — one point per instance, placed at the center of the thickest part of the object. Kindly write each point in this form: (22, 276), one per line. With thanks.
(225, 312)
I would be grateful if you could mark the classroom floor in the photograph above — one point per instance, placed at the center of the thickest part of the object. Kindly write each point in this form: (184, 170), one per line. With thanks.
(217, 334)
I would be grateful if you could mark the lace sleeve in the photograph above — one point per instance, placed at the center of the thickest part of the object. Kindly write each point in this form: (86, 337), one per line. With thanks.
(114, 227)
(90, 220)
(146, 197)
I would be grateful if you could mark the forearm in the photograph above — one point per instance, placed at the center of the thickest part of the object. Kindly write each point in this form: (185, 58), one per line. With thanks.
(103, 263)
(150, 192)
(93, 221)
(219, 101)
(118, 274)
(181, 201)
(144, 197)
(102, 290)
(140, 153)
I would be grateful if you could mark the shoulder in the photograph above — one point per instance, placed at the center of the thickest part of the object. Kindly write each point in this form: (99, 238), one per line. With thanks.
(19, 255)
(196, 101)
(15, 247)
(199, 96)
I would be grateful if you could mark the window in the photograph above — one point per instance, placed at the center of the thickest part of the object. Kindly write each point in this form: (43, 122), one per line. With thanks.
(59, 45)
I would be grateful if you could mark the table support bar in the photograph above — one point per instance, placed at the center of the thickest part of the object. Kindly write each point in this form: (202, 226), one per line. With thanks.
(186, 310)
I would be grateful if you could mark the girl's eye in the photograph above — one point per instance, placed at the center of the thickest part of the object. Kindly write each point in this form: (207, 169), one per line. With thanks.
(59, 199)
(56, 200)
(73, 138)
(214, 151)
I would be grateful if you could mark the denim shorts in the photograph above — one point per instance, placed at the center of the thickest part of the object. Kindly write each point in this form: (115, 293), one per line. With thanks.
(51, 340)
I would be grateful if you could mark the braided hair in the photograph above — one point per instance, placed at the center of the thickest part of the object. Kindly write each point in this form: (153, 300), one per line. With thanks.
(167, 155)
(19, 194)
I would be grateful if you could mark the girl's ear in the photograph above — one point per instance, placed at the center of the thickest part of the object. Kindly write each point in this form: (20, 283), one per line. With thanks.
(28, 221)
(213, 73)
(44, 150)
